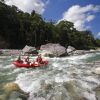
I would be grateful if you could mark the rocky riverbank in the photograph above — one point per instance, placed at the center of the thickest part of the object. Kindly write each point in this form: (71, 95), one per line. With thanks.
(50, 50)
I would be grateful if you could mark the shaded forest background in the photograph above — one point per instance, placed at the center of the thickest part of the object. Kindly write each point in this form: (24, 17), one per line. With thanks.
(18, 29)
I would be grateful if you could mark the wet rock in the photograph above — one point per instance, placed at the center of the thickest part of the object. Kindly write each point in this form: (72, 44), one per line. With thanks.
(70, 50)
(97, 92)
(59, 96)
(45, 88)
(46, 53)
(83, 98)
(18, 96)
(13, 92)
(74, 74)
(67, 91)
(43, 92)
(29, 50)
(97, 71)
(98, 49)
(79, 52)
(53, 49)
(60, 93)
(72, 91)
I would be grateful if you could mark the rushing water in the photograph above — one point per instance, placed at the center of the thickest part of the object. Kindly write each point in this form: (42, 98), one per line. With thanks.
(75, 71)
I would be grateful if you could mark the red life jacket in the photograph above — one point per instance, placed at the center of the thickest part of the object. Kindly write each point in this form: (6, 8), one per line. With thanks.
(39, 59)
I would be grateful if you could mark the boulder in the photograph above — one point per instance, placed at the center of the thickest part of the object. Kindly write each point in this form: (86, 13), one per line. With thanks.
(29, 50)
(72, 90)
(70, 50)
(13, 92)
(97, 70)
(46, 53)
(53, 49)
(97, 92)
(98, 49)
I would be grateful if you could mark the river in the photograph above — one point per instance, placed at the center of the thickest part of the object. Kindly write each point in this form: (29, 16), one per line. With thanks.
(64, 78)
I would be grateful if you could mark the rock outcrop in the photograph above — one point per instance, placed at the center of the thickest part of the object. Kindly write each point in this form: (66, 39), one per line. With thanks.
(29, 50)
(13, 92)
(97, 71)
(97, 92)
(70, 50)
(51, 49)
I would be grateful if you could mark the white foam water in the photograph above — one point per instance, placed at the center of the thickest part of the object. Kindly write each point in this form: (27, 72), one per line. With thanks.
(58, 71)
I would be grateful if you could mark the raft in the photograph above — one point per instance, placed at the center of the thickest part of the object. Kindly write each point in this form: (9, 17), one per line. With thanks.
(29, 65)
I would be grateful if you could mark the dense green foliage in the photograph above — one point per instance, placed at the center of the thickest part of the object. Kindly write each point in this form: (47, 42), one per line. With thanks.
(18, 29)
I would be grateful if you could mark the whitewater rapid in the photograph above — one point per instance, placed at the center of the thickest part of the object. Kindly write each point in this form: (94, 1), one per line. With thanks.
(74, 70)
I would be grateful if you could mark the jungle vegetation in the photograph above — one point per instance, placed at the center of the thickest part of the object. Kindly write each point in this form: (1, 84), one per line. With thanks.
(18, 28)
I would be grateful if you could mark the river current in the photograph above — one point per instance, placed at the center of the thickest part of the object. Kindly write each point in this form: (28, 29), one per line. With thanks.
(64, 78)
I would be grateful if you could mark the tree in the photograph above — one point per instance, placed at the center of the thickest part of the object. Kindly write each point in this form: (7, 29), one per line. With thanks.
(65, 29)
(18, 29)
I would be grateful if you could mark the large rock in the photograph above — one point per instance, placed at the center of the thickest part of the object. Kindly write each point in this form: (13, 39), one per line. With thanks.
(11, 91)
(97, 70)
(29, 50)
(97, 92)
(70, 49)
(53, 49)
(46, 53)
(71, 89)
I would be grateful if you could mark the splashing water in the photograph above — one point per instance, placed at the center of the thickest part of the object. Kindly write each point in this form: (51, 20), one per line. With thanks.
(64, 78)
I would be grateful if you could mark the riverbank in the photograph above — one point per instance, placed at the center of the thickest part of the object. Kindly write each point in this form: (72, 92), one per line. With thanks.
(9, 52)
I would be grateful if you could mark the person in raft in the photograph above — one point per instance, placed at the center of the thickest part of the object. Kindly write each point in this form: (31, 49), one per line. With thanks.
(27, 60)
(39, 59)
(19, 59)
